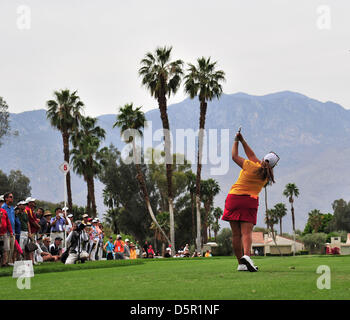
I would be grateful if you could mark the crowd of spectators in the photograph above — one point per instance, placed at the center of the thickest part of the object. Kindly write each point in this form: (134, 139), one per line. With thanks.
(31, 233)
(120, 249)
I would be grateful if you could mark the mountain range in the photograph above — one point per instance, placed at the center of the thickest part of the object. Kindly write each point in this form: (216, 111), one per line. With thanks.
(311, 138)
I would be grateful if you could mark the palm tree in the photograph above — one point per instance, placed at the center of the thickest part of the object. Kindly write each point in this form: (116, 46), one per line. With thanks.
(87, 157)
(64, 113)
(191, 188)
(315, 220)
(271, 219)
(216, 228)
(162, 78)
(203, 81)
(210, 220)
(209, 189)
(290, 191)
(217, 213)
(281, 211)
(134, 119)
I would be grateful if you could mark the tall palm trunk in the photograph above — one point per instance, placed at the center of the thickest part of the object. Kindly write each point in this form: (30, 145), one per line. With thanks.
(93, 200)
(142, 183)
(92, 192)
(280, 226)
(65, 137)
(205, 222)
(203, 111)
(88, 197)
(155, 242)
(168, 160)
(293, 222)
(272, 231)
(91, 197)
(163, 249)
(192, 213)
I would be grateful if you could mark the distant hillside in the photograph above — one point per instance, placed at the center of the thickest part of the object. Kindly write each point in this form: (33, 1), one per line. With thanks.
(311, 137)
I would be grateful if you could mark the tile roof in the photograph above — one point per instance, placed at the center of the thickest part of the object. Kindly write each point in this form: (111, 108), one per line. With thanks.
(258, 237)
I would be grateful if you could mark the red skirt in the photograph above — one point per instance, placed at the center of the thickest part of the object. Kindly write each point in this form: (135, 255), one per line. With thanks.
(241, 208)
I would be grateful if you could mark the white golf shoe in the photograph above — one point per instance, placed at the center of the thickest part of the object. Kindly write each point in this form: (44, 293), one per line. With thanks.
(242, 267)
(249, 263)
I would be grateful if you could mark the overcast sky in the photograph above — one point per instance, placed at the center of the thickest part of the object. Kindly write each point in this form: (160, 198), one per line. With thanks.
(95, 47)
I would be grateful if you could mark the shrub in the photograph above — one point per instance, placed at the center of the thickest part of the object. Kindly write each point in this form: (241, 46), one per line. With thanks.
(315, 242)
(224, 241)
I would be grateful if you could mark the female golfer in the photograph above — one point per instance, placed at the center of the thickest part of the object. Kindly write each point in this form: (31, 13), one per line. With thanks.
(242, 201)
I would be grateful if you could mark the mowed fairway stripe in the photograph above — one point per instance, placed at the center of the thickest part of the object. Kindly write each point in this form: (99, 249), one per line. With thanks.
(184, 279)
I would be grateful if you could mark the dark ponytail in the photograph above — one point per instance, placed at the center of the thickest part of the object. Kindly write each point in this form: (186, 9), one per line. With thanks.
(266, 172)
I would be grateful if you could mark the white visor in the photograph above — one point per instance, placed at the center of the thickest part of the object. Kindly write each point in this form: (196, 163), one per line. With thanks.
(272, 159)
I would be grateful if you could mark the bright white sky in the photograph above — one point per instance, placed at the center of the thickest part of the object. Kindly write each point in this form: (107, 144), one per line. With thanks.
(95, 47)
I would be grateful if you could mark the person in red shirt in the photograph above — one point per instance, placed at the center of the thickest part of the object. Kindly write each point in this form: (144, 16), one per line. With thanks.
(5, 226)
(150, 252)
(33, 220)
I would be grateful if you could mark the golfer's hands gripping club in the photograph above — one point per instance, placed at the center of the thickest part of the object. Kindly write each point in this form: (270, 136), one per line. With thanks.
(239, 137)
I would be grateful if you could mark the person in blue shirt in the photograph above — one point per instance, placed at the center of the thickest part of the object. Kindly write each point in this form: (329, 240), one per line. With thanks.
(109, 248)
(8, 197)
(57, 225)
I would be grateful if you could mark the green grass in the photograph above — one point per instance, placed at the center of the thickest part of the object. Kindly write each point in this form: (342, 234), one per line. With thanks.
(50, 267)
(187, 279)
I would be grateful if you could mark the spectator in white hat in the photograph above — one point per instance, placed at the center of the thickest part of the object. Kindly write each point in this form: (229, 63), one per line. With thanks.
(186, 251)
(167, 253)
(70, 223)
(127, 249)
(94, 240)
(85, 219)
(25, 228)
